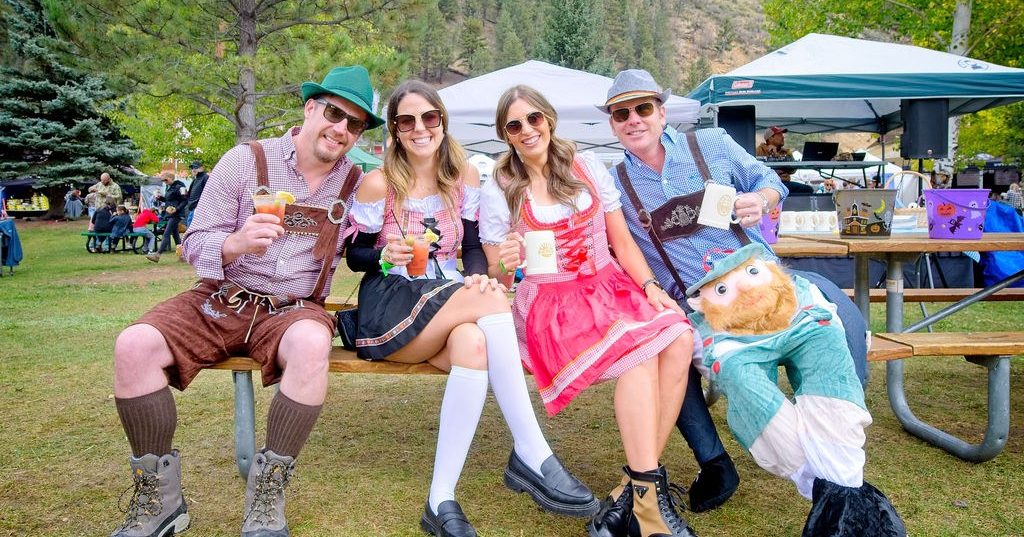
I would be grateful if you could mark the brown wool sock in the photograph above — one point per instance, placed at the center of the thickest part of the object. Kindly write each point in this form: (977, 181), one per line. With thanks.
(149, 421)
(289, 424)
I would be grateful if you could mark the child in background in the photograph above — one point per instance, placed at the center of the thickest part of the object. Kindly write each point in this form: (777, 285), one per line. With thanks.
(146, 216)
(120, 225)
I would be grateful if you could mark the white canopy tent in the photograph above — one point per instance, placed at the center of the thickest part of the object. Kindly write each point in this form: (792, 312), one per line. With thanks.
(471, 105)
(826, 83)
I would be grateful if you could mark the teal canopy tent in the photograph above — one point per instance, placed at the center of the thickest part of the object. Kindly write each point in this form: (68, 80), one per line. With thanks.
(363, 159)
(825, 83)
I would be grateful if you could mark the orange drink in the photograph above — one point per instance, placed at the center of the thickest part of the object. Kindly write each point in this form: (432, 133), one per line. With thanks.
(418, 266)
(268, 204)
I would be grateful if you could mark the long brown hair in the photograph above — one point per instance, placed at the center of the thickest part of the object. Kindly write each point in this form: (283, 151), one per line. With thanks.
(450, 155)
(510, 169)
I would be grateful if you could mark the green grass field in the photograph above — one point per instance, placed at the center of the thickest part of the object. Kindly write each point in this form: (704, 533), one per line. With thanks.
(366, 469)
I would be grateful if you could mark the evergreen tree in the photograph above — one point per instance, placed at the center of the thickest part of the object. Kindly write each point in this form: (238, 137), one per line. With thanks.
(52, 124)
(571, 34)
(509, 49)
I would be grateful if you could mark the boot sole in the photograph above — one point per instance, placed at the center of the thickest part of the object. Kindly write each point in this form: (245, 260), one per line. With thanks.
(427, 526)
(180, 524)
(517, 484)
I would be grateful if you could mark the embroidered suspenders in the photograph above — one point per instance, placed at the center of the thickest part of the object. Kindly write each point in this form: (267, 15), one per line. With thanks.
(320, 222)
(677, 217)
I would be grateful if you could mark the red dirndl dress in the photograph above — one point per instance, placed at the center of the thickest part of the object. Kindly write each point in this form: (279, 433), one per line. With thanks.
(588, 322)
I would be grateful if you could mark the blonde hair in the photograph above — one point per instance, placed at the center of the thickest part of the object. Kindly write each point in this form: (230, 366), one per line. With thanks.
(450, 155)
(562, 184)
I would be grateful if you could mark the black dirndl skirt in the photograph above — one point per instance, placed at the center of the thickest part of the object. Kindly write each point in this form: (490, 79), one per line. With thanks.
(393, 310)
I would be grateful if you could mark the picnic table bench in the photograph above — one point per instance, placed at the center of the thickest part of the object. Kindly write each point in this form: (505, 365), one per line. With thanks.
(129, 242)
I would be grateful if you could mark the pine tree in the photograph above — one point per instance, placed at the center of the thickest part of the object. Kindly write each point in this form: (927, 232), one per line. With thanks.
(52, 124)
(570, 34)
(509, 49)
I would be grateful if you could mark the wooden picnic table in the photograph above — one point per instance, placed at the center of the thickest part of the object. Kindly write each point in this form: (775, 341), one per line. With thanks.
(896, 250)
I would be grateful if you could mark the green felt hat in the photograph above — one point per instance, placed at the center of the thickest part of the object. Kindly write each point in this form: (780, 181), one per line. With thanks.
(720, 267)
(350, 83)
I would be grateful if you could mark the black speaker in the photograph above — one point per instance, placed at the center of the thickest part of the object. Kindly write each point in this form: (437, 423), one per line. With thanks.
(738, 121)
(925, 128)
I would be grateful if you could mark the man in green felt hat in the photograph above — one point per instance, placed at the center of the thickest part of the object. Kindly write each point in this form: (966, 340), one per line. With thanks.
(264, 280)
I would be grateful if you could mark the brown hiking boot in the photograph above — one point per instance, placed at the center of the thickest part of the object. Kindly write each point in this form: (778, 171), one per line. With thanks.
(264, 495)
(156, 508)
(657, 504)
(153, 256)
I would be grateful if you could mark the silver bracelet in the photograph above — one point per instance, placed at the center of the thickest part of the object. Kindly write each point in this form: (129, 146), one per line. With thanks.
(649, 282)
(764, 201)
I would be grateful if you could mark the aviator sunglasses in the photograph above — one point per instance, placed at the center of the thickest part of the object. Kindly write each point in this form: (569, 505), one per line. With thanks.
(407, 122)
(515, 126)
(335, 115)
(642, 110)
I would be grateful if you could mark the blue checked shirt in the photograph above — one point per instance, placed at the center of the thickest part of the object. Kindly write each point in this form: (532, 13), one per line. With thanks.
(729, 164)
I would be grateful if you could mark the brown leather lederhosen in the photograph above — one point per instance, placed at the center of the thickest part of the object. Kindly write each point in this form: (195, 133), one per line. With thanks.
(677, 217)
(320, 222)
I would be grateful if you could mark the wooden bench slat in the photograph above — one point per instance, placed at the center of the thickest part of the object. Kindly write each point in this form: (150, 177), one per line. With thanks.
(343, 361)
(886, 349)
(945, 295)
(961, 343)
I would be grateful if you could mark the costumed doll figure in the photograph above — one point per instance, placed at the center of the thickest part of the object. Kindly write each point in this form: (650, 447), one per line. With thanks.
(754, 317)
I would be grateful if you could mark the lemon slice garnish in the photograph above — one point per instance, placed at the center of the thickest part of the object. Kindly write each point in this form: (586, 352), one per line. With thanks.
(288, 197)
(430, 236)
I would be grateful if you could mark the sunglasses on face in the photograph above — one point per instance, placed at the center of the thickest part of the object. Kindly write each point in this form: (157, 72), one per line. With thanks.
(407, 122)
(335, 115)
(515, 126)
(642, 110)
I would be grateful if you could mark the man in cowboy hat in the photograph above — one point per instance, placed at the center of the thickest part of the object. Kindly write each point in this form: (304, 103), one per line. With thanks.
(263, 283)
(660, 164)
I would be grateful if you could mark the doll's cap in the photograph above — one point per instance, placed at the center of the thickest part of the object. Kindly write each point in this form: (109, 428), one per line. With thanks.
(720, 261)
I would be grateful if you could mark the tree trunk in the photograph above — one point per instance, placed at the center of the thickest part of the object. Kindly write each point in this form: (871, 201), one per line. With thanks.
(245, 124)
(957, 45)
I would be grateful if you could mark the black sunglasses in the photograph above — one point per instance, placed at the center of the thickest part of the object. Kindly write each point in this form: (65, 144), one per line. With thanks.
(642, 110)
(407, 122)
(515, 126)
(335, 115)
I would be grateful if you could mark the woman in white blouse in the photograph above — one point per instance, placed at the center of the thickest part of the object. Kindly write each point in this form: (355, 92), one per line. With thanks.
(596, 318)
(459, 324)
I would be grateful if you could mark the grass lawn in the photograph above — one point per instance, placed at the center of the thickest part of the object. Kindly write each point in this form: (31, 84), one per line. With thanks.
(366, 469)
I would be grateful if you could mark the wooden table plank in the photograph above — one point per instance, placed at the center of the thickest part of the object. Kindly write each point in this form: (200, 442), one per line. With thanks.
(920, 243)
(961, 343)
(807, 246)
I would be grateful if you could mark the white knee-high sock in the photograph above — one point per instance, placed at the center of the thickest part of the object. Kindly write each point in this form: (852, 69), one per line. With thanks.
(463, 401)
(505, 370)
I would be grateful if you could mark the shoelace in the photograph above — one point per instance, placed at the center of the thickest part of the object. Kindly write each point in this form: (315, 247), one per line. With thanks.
(673, 505)
(270, 484)
(143, 486)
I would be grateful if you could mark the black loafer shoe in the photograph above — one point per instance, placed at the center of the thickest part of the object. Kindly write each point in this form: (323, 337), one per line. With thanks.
(449, 521)
(715, 484)
(556, 491)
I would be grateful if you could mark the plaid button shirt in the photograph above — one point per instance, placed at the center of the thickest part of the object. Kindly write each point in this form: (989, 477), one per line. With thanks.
(288, 267)
(729, 164)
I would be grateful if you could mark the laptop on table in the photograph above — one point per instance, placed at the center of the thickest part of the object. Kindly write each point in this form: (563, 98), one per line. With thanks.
(819, 151)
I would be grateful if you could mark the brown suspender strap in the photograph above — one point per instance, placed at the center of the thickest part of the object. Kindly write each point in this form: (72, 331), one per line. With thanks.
(705, 172)
(327, 242)
(261, 163)
(645, 221)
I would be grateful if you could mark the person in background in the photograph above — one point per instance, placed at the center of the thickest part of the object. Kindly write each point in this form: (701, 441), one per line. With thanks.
(593, 318)
(660, 165)
(73, 206)
(773, 148)
(120, 225)
(457, 323)
(104, 188)
(175, 199)
(146, 217)
(261, 295)
(196, 188)
(101, 223)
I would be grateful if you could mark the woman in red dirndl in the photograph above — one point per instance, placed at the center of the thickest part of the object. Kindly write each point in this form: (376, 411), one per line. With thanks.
(598, 317)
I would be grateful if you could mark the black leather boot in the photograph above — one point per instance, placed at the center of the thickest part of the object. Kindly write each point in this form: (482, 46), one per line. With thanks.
(714, 484)
(616, 512)
(657, 505)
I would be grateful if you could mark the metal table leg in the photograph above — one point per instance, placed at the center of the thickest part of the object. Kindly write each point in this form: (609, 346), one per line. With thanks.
(245, 421)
